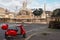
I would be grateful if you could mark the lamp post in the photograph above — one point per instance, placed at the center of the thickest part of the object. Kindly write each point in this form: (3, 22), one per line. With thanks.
(15, 14)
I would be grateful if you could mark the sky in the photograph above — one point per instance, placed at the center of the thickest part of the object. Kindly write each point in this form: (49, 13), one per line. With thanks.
(16, 5)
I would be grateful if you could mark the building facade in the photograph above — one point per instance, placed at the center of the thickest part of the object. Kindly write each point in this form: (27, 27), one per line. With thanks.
(25, 16)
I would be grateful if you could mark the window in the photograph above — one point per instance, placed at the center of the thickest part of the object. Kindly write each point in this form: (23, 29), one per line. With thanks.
(28, 20)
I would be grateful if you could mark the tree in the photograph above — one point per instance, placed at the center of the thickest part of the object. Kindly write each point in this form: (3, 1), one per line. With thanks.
(56, 13)
(38, 12)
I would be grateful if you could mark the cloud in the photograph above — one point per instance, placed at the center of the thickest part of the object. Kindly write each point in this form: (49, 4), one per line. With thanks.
(5, 1)
(11, 4)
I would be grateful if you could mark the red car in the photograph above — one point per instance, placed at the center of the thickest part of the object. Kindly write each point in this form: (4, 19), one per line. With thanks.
(13, 30)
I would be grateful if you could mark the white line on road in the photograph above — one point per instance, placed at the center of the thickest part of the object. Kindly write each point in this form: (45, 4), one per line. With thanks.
(35, 34)
(32, 30)
(30, 36)
(29, 31)
(36, 29)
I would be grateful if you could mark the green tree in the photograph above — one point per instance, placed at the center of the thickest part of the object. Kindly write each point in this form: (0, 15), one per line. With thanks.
(38, 12)
(56, 13)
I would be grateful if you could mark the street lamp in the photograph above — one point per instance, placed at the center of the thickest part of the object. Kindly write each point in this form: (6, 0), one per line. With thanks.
(15, 14)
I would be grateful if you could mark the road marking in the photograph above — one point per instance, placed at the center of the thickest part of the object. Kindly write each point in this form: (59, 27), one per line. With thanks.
(29, 31)
(35, 34)
(32, 30)
(30, 36)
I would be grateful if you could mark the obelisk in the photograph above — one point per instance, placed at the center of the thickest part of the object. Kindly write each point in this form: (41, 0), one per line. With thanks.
(43, 16)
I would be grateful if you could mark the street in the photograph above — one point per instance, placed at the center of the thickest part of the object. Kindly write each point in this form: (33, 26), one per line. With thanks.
(40, 19)
(31, 29)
